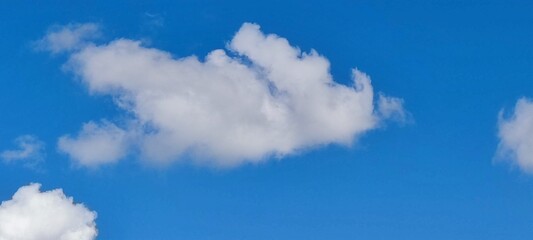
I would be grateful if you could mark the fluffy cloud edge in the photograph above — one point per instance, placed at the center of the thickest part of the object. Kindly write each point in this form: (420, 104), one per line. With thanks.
(515, 133)
(32, 214)
(97, 143)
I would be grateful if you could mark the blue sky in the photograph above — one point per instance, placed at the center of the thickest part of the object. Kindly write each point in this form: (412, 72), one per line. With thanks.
(438, 175)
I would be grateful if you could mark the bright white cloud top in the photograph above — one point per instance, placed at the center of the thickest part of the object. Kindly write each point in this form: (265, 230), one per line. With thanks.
(29, 150)
(35, 215)
(262, 98)
(516, 135)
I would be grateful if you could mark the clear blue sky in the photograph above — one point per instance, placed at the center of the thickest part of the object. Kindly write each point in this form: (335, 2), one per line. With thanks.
(455, 64)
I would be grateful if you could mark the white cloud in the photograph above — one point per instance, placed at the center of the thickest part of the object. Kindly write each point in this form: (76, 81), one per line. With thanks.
(35, 215)
(29, 150)
(391, 107)
(67, 38)
(263, 98)
(95, 144)
(516, 135)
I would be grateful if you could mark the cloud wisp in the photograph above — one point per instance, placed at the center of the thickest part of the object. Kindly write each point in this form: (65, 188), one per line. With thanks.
(516, 135)
(261, 97)
(68, 38)
(35, 215)
(29, 150)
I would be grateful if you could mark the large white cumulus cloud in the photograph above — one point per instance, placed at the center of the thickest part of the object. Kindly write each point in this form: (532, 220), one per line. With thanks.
(516, 135)
(262, 98)
(35, 215)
